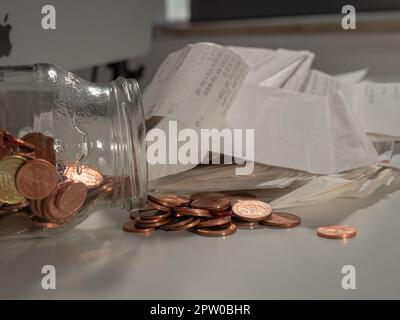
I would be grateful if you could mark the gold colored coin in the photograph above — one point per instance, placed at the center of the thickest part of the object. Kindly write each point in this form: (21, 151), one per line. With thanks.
(8, 191)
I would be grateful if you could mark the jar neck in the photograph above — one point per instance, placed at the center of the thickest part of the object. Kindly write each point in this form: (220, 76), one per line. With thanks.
(129, 133)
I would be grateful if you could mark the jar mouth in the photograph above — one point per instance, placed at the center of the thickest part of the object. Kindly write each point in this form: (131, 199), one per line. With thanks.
(131, 125)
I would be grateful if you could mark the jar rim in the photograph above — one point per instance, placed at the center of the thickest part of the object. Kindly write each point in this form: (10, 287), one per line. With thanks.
(132, 119)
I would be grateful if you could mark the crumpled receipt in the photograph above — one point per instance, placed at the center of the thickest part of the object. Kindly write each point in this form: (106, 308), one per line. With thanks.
(317, 134)
(206, 85)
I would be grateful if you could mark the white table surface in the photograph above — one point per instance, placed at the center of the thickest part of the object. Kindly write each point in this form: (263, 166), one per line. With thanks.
(99, 260)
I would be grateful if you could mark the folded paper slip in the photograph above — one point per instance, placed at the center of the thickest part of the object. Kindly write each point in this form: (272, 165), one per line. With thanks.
(317, 134)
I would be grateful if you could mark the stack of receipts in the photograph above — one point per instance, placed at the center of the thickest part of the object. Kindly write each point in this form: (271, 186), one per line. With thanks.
(333, 132)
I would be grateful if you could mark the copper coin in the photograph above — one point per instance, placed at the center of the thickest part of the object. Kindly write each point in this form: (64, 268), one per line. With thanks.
(176, 223)
(147, 211)
(178, 201)
(15, 207)
(49, 208)
(105, 190)
(19, 142)
(251, 210)
(88, 175)
(142, 224)
(187, 226)
(71, 197)
(50, 211)
(34, 137)
(193, 212)
(179, 214)
(217, 204)
(214, 222)
(43, 209)
(244, 223)
(131, 227)
(225, 213)
(170, 200)
(134, 214)
(209, 232)
(44, 146)
(153, 215)
(157, 206)
(153, 221)
(36, 179)
(36, 207)
(336, 232)
(14, 223)
(281, 220)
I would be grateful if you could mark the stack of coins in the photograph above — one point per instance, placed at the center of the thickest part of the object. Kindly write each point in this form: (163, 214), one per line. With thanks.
(38, 193)
(206, 214)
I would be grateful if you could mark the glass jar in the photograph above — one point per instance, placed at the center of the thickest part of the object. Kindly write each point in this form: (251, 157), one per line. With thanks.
(67, 148)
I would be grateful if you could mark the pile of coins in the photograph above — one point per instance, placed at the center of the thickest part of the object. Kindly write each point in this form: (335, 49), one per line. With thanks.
(38, 193)
(214, 214)
(206, 214)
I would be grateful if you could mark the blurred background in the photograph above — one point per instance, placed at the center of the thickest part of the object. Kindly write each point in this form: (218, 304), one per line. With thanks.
(100, 40)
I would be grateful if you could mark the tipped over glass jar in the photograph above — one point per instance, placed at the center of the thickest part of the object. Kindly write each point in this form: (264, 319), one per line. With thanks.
(68, 147)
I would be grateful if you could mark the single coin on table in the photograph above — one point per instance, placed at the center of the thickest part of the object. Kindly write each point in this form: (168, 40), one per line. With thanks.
(336, 232)
(36, 179)
(251, 210)
(281, 220)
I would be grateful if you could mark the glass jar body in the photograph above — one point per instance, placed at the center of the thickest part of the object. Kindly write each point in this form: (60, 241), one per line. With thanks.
(67, 147)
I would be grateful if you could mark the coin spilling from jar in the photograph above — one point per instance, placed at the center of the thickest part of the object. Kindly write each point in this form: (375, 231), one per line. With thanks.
(212, 214)
(37, 192)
